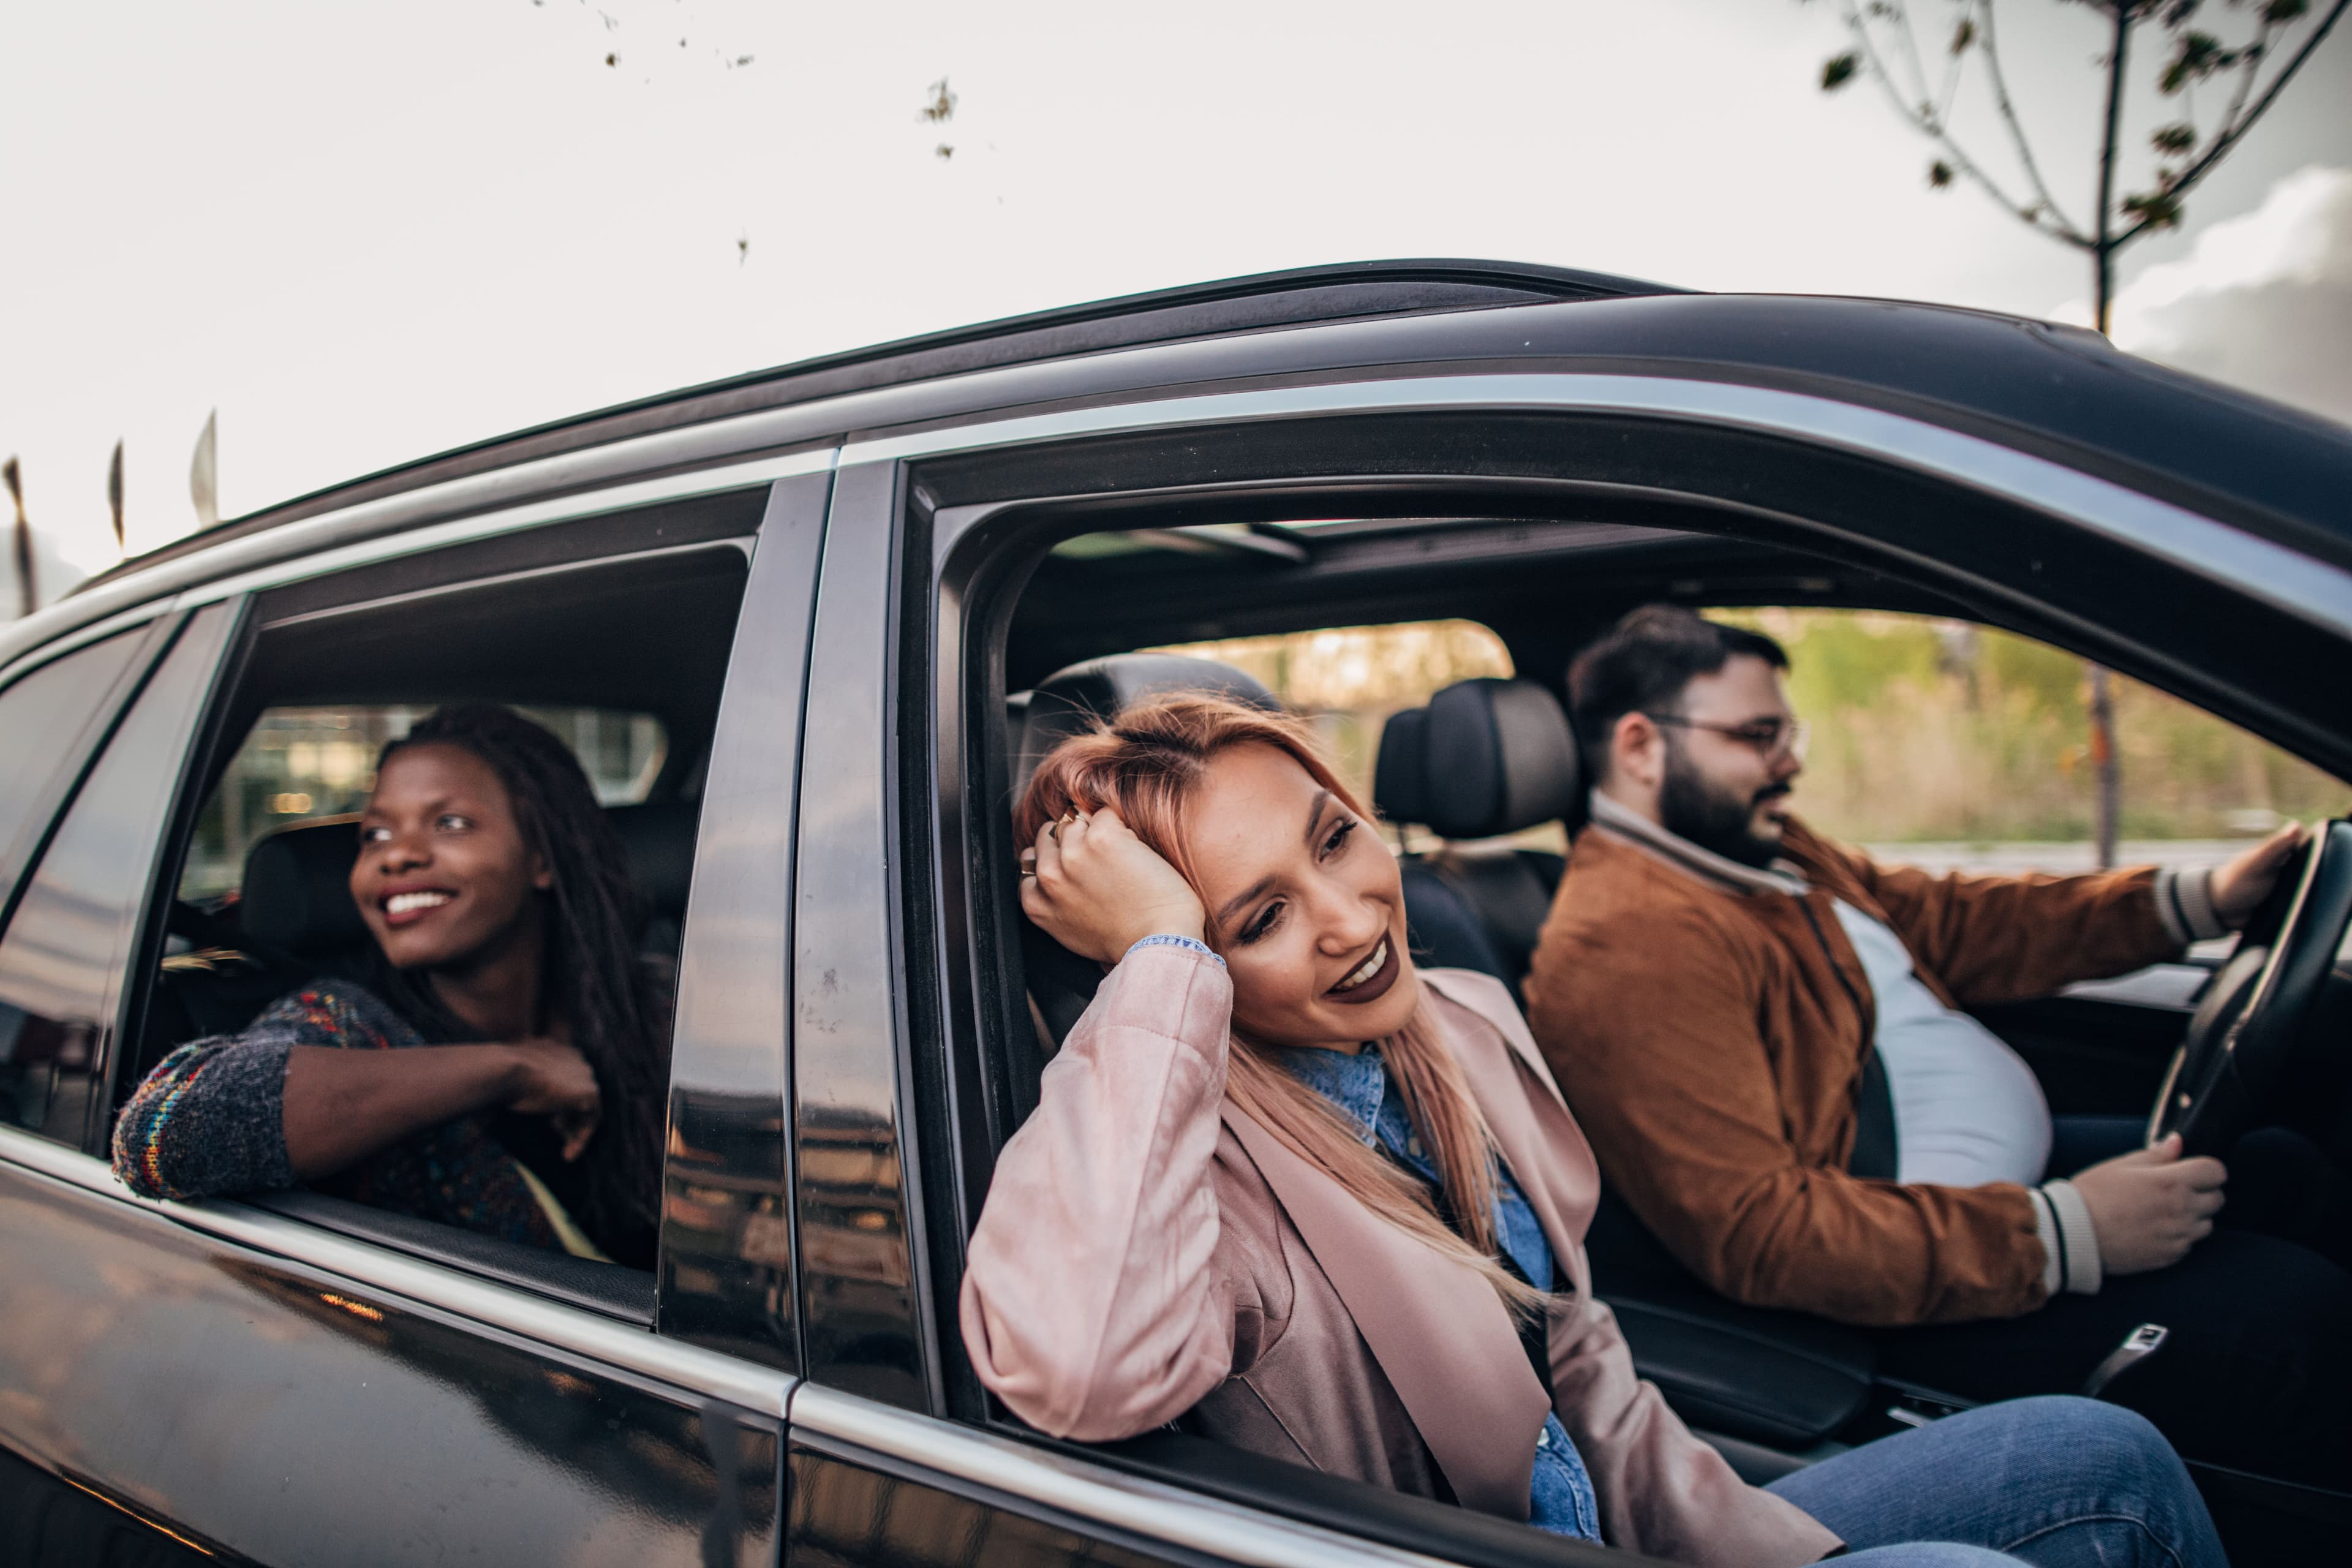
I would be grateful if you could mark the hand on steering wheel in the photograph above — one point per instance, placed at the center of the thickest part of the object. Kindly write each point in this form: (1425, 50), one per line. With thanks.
(2251, 1022)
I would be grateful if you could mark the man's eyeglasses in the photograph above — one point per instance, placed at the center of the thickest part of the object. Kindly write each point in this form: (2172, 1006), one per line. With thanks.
(1775, 740)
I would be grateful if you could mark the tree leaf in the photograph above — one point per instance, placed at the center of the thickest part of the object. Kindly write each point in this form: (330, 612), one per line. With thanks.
(1964, 35)
(1838, 69)
(2194, 58)
(2279, 12)
(1939, 174)
(2175, 138)
(2158, 209)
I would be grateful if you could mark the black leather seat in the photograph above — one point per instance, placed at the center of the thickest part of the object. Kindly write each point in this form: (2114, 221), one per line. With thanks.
(1486, 758)
(1070, 702)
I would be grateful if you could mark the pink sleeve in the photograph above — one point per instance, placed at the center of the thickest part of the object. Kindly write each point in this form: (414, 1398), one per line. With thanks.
(1091, 1304)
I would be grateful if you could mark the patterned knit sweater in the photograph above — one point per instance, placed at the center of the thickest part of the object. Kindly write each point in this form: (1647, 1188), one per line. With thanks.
(211, 1119)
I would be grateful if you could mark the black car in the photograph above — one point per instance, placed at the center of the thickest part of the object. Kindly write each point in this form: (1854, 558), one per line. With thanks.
(815, 621)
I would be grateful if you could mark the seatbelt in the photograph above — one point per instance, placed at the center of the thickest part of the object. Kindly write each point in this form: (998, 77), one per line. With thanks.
(1875, 1152)
(1873, 1122)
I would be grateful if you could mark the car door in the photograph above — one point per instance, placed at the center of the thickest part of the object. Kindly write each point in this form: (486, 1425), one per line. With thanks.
(914, 1057)
(259, 1382)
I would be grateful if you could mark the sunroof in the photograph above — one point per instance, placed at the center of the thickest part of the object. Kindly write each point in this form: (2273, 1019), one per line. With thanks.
(1259, 540)
(1275, 540)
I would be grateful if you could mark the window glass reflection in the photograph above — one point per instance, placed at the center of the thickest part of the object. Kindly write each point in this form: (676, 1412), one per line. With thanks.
(40, 716)
(64, 945)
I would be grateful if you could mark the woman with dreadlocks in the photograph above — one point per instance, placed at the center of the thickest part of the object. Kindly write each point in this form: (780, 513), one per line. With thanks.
(503, 920)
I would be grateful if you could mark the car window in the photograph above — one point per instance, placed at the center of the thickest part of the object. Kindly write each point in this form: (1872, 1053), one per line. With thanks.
(1348, 679)
(623, 659)
(299, 764)
(1949, 745)
(64, 949)
(41, 715)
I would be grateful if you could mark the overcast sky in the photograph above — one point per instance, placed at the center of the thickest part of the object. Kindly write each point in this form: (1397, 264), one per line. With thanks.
(366, 234)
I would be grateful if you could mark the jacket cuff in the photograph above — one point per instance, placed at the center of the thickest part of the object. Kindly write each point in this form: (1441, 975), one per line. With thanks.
(2070, 1245)
(2184, 901)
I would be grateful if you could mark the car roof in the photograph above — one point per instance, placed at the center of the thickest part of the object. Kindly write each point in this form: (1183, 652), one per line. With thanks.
(2063, 391)
(1295, 297)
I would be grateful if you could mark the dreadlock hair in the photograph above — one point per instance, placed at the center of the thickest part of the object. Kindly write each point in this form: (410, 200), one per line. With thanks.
(592, 975)
(1148, 764)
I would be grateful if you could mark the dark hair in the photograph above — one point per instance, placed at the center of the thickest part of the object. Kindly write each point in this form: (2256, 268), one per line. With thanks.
(594, 973)
(1641, 664)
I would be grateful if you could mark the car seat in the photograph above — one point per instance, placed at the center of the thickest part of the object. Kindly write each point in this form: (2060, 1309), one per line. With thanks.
(1484, 759)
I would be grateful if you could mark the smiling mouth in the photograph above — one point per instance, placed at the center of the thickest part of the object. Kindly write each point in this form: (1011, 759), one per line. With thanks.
(400, 909)
(1369, 980)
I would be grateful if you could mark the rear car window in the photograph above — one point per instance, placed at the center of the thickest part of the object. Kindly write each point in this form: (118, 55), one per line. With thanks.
(301, 764)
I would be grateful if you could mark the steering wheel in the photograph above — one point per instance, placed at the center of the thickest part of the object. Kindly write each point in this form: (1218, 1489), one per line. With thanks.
(2251, 1022)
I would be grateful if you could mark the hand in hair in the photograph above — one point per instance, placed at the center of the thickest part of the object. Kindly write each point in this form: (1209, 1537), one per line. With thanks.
(1099, 889)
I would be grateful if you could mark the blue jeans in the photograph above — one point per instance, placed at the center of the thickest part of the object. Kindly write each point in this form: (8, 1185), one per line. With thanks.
(2056, 1482)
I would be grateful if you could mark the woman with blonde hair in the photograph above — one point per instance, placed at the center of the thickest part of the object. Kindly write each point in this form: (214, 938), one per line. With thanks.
(1330, 1208)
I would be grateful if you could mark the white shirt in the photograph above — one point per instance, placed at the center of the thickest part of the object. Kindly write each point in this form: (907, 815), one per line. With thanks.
(1967, 1109)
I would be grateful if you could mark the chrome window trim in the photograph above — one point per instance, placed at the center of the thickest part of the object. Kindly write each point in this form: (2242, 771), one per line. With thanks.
(485, 524)
(745, 1384)
(1154, 1509)
(82, 638)
(476, 506)
(2287, 579)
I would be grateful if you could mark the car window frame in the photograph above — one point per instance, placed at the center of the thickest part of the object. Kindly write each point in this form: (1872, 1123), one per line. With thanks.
(594, 539)
(944, 643)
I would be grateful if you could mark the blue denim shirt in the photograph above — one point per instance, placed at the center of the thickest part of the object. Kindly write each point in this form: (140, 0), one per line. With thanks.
(1559, 1497)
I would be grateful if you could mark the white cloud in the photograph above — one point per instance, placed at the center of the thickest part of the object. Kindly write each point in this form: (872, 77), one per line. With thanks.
(2263, 302)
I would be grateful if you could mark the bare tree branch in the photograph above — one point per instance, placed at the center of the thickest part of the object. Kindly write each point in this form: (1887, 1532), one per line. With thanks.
(1991, 47)
(2231, 134)
(1902, 14)
(2044, 220)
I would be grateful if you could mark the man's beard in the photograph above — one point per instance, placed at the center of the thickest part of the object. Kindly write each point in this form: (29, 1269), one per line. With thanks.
(1693, 808)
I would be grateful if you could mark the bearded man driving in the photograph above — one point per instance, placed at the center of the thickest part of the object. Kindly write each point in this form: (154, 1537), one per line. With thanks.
(1761, 1031)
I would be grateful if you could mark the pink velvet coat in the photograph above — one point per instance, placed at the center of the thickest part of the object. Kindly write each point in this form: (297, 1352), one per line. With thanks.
(1147, 1250)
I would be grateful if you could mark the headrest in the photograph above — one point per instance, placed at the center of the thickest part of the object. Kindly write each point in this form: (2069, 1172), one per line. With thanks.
(1400, 778)
(1070, 701)
(1485, 758)
(297, 893)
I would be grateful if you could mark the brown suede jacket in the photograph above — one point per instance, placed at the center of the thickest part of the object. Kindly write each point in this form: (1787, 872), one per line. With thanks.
(1700, 1029)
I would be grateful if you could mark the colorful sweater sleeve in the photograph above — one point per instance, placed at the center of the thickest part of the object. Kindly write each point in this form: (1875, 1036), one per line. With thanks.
(211, 1118)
